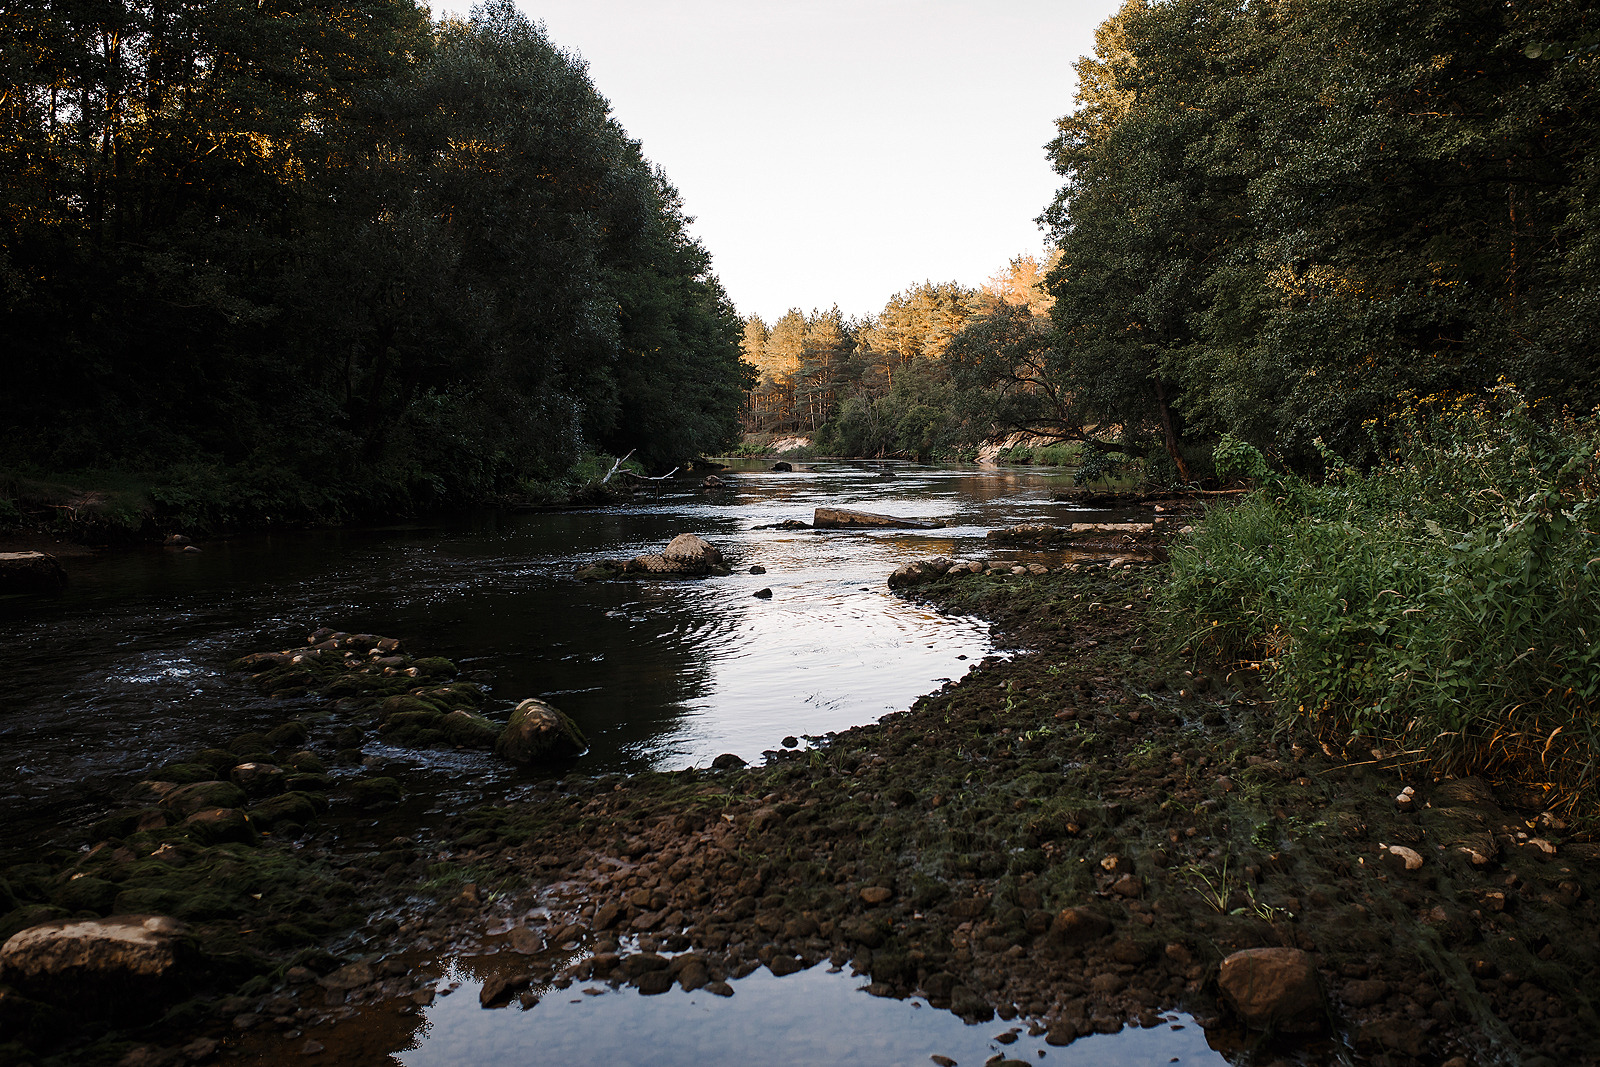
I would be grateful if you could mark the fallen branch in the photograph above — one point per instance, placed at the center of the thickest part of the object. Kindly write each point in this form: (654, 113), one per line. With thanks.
(616, 467)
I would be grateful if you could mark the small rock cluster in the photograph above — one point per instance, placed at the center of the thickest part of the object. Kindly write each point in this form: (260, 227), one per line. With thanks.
(416, 701)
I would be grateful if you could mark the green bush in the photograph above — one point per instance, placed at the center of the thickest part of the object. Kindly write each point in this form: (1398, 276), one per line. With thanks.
(1445, 604)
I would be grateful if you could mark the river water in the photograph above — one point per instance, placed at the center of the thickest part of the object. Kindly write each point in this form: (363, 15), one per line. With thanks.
(127, 670)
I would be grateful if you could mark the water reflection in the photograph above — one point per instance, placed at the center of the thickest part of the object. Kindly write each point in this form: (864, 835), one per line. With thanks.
(817, 1017)
(126, 670)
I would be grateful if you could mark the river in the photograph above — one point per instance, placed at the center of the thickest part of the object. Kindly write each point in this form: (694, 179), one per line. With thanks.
(127, 670)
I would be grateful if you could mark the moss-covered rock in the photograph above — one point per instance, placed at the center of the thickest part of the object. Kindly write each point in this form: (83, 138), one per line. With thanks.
(29, 915)
(86, 893)
(435, 667)
(468, 730)
(538, 731)
(216, 825)
(186, 773)
(376, 792)
(219, 760)
(202, 796)
(291, 734)
(307, 763)
(296, 808)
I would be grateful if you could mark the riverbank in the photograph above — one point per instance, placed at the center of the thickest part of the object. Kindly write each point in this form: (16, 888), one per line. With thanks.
(117, 507)
(1073, 836)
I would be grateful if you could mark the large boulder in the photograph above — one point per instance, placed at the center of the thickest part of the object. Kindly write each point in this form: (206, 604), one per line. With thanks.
(1276, 988)
(685, 554)
(538, 731)
(118, 967)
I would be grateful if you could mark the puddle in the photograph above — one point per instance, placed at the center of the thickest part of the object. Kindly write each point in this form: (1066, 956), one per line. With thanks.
(815, 1017)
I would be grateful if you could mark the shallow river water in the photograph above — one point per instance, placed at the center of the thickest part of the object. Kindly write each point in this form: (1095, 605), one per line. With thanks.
(127, 671)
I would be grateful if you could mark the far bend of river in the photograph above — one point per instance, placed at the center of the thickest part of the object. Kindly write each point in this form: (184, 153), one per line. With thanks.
(127, 670)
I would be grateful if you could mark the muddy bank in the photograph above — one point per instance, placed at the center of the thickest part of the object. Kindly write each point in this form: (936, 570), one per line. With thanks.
(1074, 837)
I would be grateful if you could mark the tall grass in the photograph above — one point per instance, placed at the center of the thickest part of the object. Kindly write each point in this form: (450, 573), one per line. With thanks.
(1445, 604)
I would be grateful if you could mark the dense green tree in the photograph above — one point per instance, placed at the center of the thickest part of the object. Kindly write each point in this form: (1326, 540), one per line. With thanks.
(1280, 220)
(405, 262)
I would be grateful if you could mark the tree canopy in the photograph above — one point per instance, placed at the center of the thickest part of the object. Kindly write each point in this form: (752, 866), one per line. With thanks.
(342, 247)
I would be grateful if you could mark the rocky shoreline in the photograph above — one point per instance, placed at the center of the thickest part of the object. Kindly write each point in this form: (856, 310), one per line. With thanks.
(1077, 837)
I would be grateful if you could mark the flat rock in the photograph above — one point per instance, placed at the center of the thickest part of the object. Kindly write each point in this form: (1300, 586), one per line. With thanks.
(119, 965)
(845, 519)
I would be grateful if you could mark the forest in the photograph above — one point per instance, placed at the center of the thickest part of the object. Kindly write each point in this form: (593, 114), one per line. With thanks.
(1288, 224)
(278, 262)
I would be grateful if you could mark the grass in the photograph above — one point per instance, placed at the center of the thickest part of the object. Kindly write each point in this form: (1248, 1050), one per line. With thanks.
(1441, 609)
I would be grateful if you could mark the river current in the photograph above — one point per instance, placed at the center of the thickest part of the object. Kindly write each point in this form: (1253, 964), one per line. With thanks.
(127, 670)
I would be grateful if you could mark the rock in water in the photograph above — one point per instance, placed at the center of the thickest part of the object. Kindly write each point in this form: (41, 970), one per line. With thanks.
(538, 731)
(31, 572)
(684, 554)
(1274, 987)
(845, 519)
(121, 966)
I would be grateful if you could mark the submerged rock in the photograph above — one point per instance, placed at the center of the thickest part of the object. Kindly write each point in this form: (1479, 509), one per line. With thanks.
(537, 731)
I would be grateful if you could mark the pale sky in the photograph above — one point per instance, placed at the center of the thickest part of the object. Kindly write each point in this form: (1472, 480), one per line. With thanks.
(839, 151)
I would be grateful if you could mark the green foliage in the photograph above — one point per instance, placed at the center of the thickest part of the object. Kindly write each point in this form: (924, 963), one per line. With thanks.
(1279, 219)
(1234, 458)
(338, 261)
(1443, 604)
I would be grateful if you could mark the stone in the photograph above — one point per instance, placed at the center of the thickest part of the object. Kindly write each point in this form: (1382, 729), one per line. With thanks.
(201, 796)
(31, 572)
(526, 942)
(1077, 926)
(919, 571)
(1365, 992)
(781, 965)
(653, 983)
(216, 825)
(711, 481)
(727, 762)
(845, 519)
(1274, 987)
(875, 894)
(286, 809)
(350, 976)
(782, 467)
(762, 594)
(685, 554)
(758, 569)
(537, 731)
(121, 966)
(498, 989)
(257, 779)
(969, 1005)
(1027, 533)
(1409, 856)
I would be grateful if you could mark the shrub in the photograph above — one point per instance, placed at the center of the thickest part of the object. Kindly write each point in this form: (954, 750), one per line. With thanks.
(1445, 604)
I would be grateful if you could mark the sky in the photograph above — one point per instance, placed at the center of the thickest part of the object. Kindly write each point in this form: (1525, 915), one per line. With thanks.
(840, 151)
